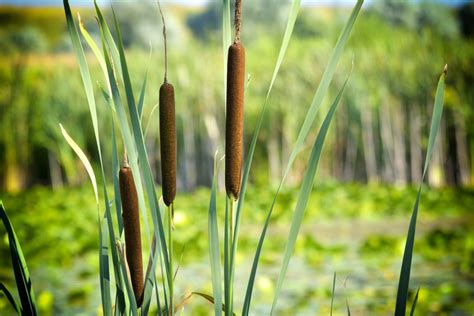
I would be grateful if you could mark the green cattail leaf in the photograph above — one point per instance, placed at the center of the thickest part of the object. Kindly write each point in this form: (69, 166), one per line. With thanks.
(248, 162)
(323, 85)
(93, 46)
(110, 41)
(227, 264)
(84, 69)
(226, 35)
(85, 74)
(85, 162)
(10, 298)
(404, 280)
(413, 306)
(150, 120)
(333, 292)
(317, 99)
(115, 172)
(20, 269)
(104, 267)
(214, 252)
(150, 279)
(304, 194)
(141, 99)
(126, 277)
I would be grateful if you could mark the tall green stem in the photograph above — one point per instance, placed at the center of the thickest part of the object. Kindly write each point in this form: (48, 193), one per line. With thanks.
(170, 241)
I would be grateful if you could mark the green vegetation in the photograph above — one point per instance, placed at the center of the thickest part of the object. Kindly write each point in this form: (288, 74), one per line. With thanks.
(392, 79)
(348, 228)
(380, 135)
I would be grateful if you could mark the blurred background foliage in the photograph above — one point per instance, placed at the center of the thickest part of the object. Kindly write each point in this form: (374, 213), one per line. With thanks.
(373, 155)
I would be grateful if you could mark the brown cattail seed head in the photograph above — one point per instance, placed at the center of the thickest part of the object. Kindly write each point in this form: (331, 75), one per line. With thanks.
(168, 142)
(234, 118)
(131, 224)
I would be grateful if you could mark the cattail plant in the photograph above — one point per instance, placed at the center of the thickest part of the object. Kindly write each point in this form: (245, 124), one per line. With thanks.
(167, 133)
(168, 157)
(234, 109)
(131, 224)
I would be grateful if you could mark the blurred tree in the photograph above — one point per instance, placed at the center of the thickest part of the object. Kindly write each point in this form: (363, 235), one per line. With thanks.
(466, 18)
(418, 16)
(258, 15)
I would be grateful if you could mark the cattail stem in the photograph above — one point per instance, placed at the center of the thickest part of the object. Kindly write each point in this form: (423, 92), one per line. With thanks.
(170, 249)
(131, 223)
(164, 40)
(237, 19)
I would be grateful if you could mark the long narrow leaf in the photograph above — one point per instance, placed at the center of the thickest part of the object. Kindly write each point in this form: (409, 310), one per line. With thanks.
(333, 291)
(317, 99)
(10, 298)
(214, 253)
(226, 35)
(248, 161)
(83, 67)
(93, 46)
(127, 278)
(86, 163)
(104, 267)
(304, 194)
(404, 281)
(413, 306)
(110, 41)
(150, 278)
(20, 269)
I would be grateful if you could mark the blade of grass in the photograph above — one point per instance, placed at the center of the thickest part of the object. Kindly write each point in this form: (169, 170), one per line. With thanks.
(104, 267)
(20, 269)
(413, 306)
(253, 272)
(155, 107)
(317, 99)
(115, 171)
(333, 292)
(83, 67)
(107, 227)
(126, 276)
(214, 252)
(85, 74)
(10, 298)
(150, 279)
(141, 99)
(226, 36)
(93, 46)
(227, 267)
(324, 84)
(84, 160)
(404, 280)
(110, 41)
(207, 297)
(248, 161)
(304, 194)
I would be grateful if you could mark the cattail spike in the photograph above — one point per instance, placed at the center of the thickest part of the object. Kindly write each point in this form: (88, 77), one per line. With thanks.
(234, 118)
(131, 223)
(168, 142)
